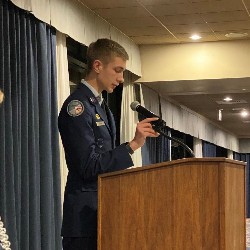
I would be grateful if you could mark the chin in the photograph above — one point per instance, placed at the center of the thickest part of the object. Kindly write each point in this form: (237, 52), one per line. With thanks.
(110, 91)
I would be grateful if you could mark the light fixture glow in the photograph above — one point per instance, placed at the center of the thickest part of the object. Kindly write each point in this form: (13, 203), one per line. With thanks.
(227, 99)
(195, 37)
(219, 115)
(236, 35)
(244, 113)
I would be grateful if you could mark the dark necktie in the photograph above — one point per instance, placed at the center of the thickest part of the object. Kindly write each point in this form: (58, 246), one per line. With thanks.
(103, 106)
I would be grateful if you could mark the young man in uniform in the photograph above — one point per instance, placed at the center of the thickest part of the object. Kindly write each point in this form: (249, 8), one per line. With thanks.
(88, 134)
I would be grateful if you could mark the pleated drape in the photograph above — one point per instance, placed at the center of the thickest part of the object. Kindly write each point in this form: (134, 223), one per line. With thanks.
(129, 118)
(30, 200)
(154, 150)
(208, 149)
(63, 91)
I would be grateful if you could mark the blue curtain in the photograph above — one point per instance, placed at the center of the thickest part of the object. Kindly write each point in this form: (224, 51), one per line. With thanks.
(30, 202)
(156, 150)
(208, 149)
(245, 158)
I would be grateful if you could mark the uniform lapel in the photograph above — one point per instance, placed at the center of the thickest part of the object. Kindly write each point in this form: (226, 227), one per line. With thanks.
(106, 117)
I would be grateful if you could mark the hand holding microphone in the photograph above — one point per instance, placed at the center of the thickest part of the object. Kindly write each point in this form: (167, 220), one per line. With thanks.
(157, 124)
(145, 128)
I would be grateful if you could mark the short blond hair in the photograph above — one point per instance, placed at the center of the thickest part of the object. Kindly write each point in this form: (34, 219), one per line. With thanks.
(1, 96)
(104, 49)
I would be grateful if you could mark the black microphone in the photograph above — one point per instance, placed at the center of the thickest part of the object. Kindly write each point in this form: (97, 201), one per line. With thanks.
(158, 125)
(136, 106)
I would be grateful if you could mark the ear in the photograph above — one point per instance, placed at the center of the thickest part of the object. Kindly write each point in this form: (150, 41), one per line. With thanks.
(97, 66)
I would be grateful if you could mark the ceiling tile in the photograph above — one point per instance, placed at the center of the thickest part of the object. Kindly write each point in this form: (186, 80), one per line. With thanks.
(154, 39)
(194, 28)
(240, 15)
(101, 4)
(171, 9)
(125, 12)
(158, 2)
(145, 31)
(218, 6)
(247, 3)
(181, 19)
(134, 21)
(201, 1)
(230, 26)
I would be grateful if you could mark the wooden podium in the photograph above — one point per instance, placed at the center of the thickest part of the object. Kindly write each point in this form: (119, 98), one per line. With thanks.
(188, 204)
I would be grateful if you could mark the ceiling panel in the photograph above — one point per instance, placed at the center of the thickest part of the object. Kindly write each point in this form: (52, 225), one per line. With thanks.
(218, 6)
(171, 9)
(231, 26)
(223, 16)
(134, 21)
(102, 4)
(247, 3)
(144, 31)
(125, 12)
(190, 28)
(181, 19)
(160, 2)
(156, 39)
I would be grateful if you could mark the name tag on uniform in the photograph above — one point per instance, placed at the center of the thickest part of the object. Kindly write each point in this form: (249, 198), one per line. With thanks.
(101, 123)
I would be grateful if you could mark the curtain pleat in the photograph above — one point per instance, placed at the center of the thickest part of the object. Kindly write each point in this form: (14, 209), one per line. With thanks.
(63, 91)
(30, 197)
(197, 147)
(129, 119)
(208, 149)
(155, 150)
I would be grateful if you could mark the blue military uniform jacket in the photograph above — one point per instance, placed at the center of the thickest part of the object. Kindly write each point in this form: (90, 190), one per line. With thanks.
(88, 136)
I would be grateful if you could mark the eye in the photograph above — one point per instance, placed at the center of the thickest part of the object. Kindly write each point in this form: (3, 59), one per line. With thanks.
(119, 70)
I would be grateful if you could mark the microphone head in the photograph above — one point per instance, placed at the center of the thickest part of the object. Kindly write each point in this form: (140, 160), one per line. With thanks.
(134, 105)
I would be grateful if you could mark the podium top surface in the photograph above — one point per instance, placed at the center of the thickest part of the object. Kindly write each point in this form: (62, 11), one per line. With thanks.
(174, 164)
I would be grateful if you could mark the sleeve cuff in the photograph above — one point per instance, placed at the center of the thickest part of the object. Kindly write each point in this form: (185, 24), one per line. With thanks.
(130, 150)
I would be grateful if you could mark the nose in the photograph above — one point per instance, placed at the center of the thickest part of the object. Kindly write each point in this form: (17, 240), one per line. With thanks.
(120, 78)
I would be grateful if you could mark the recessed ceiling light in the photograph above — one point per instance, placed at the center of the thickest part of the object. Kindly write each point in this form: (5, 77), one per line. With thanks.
(236, 35)
(227, 99)
(195, 37)
(244, 113)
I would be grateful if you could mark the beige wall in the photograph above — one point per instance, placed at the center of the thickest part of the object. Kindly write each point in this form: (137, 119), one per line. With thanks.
(211, 60)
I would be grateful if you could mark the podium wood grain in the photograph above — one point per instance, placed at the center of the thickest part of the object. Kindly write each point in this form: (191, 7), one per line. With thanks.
(189, 204)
